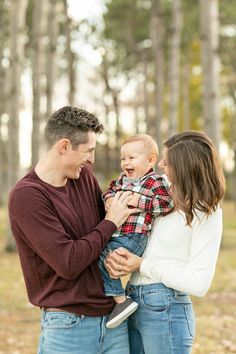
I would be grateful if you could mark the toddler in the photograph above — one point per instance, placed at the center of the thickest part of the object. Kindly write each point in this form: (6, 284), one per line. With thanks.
(151, 195)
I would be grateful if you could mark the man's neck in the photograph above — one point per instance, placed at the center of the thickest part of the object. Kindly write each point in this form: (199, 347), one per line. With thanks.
(48, 171)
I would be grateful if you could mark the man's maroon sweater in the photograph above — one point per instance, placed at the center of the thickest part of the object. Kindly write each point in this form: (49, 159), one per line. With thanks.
(60, 233)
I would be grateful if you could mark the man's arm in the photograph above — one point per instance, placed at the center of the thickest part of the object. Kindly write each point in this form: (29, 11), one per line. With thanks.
(35, 223)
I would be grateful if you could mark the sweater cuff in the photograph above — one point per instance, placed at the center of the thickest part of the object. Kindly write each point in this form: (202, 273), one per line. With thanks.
(107, 228)
(146, 270)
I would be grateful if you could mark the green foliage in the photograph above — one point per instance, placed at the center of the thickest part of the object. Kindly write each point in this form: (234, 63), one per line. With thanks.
(4, 23)
(126, 28)
(190, 32)
(125, 23)
(227, 12)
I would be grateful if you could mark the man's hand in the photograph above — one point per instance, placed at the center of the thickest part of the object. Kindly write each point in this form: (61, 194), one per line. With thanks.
(119, 211)
(108, 203)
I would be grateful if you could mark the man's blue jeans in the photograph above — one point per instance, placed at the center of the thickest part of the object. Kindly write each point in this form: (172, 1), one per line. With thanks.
(164, 322)
(67, 333)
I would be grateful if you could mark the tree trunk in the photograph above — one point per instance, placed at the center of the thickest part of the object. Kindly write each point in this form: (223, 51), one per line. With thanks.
(145, 92)
(114, 95)
(174, 66)
(136, 118)
(18, 13)
(3, 164)
(209, 28)
(71, 58)
(157, 35)
(118, 128)
(107, 146)
(3, 160)
(36, 65)
(233, 138)
(234, 148)
(51, 54)
(185, 95)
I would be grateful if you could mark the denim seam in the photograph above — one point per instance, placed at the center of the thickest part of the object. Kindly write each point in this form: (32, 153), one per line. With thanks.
(188, 321)
(170, 330)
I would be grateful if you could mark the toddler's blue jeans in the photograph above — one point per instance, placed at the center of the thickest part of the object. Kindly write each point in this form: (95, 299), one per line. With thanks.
(135, 243)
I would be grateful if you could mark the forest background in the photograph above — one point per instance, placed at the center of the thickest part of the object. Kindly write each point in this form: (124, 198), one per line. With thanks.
(142, 66)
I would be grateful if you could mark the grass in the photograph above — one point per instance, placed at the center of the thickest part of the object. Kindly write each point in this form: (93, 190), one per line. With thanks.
(215, 313)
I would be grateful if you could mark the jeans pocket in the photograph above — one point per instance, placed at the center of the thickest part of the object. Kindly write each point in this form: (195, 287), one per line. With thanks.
(156, 302)
(59, 320)
(190, 319)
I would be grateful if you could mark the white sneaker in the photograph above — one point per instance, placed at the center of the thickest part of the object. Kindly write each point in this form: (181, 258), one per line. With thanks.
(120, 312)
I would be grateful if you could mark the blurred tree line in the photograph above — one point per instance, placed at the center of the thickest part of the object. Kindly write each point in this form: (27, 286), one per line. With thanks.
(167, 65)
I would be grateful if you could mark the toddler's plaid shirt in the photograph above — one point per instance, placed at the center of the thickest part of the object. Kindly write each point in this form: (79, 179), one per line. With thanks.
(155, 200)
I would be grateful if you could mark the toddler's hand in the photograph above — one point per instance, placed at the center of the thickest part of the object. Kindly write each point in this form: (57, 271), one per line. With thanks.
(135, 200)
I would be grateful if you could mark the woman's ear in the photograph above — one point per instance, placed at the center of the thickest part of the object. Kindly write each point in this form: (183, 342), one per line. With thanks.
(152, 159)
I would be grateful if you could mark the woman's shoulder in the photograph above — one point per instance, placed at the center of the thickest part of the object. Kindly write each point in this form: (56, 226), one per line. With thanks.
(214, 219)
(214, 213)
(199, 217)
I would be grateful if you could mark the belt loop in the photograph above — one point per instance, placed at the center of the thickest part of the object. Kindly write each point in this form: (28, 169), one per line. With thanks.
(140, 292)
(43, 314)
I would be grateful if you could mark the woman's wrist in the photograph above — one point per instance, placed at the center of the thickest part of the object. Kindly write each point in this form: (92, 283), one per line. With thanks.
(142, 265)
(138, 264)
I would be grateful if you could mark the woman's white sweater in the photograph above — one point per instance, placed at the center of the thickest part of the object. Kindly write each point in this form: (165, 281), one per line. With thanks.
(180, 256)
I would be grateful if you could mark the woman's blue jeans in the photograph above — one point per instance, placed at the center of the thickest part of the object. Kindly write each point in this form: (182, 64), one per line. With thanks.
(164, 322)
(67, 333)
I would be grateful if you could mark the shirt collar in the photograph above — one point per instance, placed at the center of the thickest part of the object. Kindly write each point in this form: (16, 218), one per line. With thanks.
(137, 181)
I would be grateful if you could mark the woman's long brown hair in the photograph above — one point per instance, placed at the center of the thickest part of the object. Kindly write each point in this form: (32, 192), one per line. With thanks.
(196, 173)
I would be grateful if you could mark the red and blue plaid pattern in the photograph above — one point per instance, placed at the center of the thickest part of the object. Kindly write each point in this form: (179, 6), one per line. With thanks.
(155, 200)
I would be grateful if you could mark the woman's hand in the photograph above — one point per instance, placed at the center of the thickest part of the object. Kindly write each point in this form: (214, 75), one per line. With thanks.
(121, 262)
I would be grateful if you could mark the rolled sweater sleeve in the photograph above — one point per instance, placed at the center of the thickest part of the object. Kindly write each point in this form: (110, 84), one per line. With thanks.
(42, 230)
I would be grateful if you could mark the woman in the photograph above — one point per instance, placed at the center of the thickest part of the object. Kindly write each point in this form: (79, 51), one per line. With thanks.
(182, 249)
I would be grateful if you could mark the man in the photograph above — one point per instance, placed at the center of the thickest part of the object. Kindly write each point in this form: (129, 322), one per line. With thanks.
(57, 219)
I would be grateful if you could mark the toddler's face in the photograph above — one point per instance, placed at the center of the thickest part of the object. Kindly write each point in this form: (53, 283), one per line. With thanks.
(135, 160)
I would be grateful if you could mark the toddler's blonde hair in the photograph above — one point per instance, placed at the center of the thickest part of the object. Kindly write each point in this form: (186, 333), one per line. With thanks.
(149, 143)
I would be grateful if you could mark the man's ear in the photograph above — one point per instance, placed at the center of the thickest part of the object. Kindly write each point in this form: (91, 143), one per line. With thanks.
(152, 159)
(63, 146)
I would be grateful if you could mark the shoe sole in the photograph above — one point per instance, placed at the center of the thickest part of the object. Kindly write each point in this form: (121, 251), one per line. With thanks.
(122, 317)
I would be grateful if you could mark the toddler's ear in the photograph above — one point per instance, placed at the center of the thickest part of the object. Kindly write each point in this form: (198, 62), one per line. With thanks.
(152, 159)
